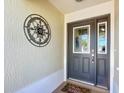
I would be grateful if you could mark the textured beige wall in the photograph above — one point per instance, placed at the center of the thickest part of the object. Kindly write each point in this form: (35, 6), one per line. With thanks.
(25, 63)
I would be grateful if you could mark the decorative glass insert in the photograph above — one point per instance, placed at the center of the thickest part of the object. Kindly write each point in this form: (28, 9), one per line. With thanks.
(102, 38)
(81, 39)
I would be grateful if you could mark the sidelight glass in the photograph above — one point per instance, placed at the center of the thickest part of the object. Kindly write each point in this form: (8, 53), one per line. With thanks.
(102, 38)
(81, 39)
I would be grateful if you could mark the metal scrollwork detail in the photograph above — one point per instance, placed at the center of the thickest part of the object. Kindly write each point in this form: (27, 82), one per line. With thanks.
(37, 30)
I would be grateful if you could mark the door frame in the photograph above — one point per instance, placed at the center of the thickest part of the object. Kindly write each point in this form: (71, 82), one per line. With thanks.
(94, 19)
(111, 49)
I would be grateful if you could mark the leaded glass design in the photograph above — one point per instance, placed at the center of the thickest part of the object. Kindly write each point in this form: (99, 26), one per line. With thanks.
(102, 38)
(81, 39)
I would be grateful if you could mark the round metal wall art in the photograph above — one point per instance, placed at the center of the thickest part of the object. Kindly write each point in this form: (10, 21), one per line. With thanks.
(37, 30)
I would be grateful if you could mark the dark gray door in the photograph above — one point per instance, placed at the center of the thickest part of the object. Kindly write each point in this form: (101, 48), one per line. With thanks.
(89, 50)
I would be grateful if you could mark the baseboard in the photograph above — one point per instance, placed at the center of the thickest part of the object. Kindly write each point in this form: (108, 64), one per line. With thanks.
(46, 85)
(115, 88)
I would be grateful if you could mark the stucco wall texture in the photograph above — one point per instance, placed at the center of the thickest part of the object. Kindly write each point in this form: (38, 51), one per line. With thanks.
(25, 63)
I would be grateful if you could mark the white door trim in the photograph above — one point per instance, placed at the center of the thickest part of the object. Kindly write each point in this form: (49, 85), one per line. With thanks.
(87, 13)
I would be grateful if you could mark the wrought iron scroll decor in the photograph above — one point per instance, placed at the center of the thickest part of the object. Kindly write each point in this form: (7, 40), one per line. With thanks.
(37, 30)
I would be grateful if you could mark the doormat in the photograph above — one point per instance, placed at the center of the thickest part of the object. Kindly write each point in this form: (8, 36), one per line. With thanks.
(71, 88)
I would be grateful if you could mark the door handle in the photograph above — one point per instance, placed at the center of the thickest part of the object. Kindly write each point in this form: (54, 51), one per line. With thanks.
(92, 58)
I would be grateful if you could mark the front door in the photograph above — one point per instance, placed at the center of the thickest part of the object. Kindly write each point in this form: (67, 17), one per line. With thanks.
(89, 50)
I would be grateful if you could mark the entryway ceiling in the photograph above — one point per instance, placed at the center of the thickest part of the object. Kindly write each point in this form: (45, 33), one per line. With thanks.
(68, 6)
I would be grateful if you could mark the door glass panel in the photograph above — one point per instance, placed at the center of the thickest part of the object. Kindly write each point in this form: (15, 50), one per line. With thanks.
(81, 39)
(102, 38)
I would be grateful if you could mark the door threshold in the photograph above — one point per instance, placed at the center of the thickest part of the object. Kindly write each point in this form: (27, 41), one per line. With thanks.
(80, 81)
(101, 87)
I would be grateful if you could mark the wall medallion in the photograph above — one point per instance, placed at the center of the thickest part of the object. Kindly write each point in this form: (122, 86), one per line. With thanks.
(37, 30)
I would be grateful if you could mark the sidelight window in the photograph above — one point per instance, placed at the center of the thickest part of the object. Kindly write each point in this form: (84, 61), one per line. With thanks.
(102, 38)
